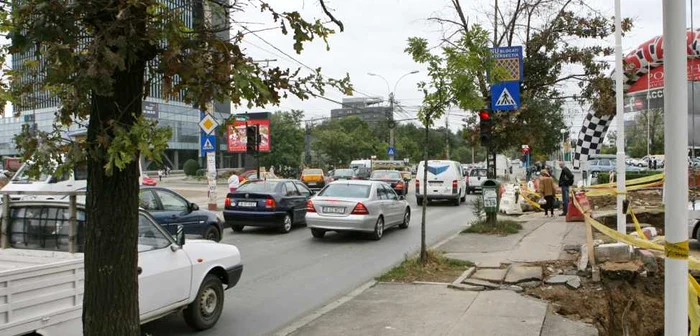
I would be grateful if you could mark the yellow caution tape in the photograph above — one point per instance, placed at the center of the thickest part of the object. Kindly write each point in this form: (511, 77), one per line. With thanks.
(678, 251)
(693, 306)
(637, 227)
(641, 180)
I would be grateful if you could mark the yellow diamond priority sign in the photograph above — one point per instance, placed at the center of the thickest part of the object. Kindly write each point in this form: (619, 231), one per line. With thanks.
(208, 124)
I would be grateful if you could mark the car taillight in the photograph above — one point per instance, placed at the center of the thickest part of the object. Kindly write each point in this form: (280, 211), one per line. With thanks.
(270, 203)
(417, 185)
(310, 206)
(454, 184)
(399, 185)
(227, 202)
(360, 209)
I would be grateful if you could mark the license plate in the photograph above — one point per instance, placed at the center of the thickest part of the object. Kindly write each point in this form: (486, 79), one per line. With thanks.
(312, 183)
(334, 210)
(247, 204)
(434, 182)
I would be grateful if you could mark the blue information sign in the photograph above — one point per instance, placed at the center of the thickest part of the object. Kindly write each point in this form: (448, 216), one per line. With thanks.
(207, 143)
(505, 95)
(391, 151)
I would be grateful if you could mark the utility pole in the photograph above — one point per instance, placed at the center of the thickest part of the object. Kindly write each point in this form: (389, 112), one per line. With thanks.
(447, 136)
(620, 109)
(676, 168)
(491, 153)
(307, 144)
(392, 124)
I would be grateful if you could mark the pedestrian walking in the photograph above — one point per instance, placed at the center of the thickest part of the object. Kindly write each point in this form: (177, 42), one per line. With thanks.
(566, 180)
(160, 175)
(233, 182)
(167, 170)
(547, 191)
(655, 164)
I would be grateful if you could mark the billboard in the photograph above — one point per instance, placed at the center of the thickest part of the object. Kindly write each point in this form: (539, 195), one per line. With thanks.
(150, 110)
(236, 138)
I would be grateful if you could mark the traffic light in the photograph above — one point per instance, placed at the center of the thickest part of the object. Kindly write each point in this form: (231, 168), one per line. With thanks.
(486, 127)
(251, 134)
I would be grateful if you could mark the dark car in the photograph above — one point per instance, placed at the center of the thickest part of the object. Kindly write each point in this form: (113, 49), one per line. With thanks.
(170, 209)
(392, 178)
(277, 203)
(343, 174)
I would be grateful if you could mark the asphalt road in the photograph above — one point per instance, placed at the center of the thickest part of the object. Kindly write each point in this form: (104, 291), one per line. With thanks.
(287, 276)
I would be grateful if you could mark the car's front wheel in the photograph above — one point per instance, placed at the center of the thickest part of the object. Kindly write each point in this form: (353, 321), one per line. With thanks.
(212, 233)
(205, 310)
(406, 219)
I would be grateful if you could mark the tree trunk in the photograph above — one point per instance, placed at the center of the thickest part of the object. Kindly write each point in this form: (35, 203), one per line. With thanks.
(423, 249)
(110, 303)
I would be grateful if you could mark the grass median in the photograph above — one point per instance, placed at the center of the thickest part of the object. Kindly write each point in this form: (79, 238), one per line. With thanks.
(501, 228)
(437, 269)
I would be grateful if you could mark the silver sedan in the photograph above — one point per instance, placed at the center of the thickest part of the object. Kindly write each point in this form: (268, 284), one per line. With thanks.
(357, 205)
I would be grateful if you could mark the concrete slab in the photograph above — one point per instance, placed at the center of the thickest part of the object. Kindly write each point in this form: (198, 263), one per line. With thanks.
(544, 243)
(477, 282)
(480, 258)
(502, 313)
(490, 274)
(480, 243)
(394, 310)
(520, 273)
(555, 325)
(559, 279)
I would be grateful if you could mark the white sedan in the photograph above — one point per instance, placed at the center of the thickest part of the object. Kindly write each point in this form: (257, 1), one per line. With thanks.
(356, 205)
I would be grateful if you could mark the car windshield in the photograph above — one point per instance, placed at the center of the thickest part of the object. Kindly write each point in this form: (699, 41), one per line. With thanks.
(478, 172)
(386, 175)
(22, 175)
(343, 172)
(259, 187)
(346, 190)
(312, 172)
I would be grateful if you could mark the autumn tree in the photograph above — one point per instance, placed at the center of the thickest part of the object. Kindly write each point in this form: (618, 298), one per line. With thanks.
(94, 56)
(545, 29)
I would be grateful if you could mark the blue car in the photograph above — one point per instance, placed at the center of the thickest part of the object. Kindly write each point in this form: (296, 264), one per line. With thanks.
(170, 209)
(274, 203)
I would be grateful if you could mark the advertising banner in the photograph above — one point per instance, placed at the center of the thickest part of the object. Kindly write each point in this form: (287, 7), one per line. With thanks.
(236, 136)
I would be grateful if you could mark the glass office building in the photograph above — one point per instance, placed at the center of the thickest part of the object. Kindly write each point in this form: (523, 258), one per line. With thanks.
(182, 118)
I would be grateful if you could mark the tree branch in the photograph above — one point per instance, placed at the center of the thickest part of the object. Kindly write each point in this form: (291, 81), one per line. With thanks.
(330, 16)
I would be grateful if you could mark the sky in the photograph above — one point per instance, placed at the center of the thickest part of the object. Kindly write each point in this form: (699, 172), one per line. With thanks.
(375, 36)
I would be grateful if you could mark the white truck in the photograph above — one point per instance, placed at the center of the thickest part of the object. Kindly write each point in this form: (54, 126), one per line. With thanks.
(42, 281)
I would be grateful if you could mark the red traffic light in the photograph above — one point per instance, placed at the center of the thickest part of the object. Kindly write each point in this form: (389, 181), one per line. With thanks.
(484, 115)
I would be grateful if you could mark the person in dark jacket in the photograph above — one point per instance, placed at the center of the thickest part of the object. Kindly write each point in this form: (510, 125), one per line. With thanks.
(566, 180)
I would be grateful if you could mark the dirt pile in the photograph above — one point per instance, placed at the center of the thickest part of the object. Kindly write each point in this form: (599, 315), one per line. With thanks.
(640, 199)
(631, 303)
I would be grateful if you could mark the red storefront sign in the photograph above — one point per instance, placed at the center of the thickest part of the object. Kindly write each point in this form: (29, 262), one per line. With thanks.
(655, 80)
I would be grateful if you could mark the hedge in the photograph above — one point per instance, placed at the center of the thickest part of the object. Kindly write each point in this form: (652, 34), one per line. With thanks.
(191, 167)
(605, 177)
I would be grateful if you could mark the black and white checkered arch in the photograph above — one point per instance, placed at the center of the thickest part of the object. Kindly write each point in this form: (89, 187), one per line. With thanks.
(591, 137)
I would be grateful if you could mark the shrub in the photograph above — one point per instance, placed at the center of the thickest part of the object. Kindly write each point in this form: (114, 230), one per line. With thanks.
(191, 167)
(605, 177)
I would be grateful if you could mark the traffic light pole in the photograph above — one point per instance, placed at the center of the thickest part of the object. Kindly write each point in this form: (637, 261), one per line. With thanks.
(257, 149)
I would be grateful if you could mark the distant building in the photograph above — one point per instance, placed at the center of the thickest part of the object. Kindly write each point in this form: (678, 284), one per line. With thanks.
(364, 108)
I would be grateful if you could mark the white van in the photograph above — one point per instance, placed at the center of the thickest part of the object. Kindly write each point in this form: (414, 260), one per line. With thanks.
(446, 181)
(75, 180)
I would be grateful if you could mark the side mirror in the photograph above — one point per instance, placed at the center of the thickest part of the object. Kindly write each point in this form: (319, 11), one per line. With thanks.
(180, 235)
(193, 207)
(402, 197)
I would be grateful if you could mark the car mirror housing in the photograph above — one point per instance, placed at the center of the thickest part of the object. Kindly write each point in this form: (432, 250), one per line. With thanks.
(193, 207)
(180, 235)
(402, 197)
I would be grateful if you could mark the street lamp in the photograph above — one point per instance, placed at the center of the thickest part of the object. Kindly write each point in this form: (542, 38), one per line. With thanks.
(563, 154)
(391, 104)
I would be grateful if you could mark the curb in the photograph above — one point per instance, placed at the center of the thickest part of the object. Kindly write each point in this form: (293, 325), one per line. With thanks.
(298, 324)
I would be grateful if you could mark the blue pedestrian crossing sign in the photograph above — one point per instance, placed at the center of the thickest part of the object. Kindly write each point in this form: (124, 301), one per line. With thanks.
(207, 143)
(505, 96)
(391, 151)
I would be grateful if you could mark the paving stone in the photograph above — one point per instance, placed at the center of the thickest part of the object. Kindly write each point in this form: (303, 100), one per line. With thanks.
(616, 252)
(583, 261)
(559, 279)
(530, 284)
(477, 282)
(520, 273)
(649, 261)
(574, 283)
(488, 274)
(513, 288)
(466, 287)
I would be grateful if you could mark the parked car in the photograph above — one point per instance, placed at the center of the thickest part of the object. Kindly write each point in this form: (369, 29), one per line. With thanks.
(174, 275)
(148, 181)
(170, 210)
(694, 220)
(446, 181)
(272, 203)
(361, 206)
(476, 177)
(393, 178)
(252, 175)
(606, 165)
(313, 178)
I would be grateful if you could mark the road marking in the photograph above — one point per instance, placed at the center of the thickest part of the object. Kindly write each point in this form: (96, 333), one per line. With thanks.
(325, 309)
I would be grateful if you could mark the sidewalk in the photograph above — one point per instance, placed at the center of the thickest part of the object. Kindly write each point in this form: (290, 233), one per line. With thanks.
(435, 309)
